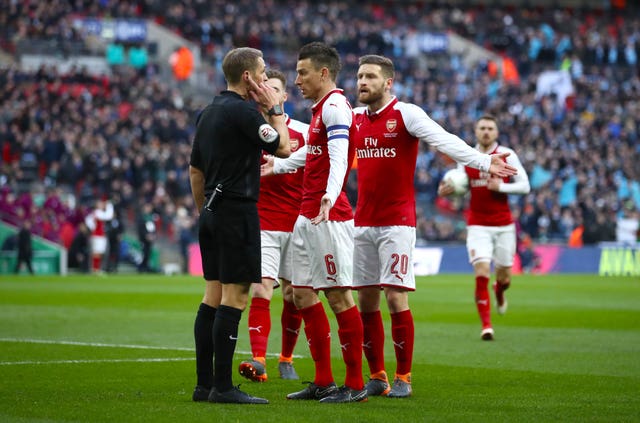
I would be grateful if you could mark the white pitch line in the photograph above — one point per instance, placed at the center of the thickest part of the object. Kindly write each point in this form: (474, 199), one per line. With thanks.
(99, 344)
(127, 360)
(92, 344)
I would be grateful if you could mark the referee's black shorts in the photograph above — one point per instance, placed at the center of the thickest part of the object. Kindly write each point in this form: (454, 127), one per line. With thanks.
(229, 239)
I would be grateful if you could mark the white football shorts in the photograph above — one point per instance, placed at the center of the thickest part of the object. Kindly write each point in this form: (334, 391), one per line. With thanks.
(322, 254)
(485, 243)
(384, 256)
(98, 244)
(276, 256)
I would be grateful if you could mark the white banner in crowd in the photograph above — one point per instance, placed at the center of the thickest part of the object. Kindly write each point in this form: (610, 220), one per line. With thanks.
(556, 82)
(426, 261)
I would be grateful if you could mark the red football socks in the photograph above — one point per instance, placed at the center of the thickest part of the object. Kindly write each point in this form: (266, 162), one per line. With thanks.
(318, 332)
(373, 344)
(483, 302)
(350, 332)
(502, 286)
(259, 321)
(402, 332)
(291, 320)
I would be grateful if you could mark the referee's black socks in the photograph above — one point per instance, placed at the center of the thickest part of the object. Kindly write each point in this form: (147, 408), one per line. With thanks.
(203, 334)
(225, 337)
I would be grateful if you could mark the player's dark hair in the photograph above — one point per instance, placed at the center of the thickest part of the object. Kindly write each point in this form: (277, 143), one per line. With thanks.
(276, 74)
(322, 55)
(386, 65)
(488, 117)
(237, 61)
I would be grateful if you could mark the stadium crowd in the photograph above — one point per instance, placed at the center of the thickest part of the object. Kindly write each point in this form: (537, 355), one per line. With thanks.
(69, 139)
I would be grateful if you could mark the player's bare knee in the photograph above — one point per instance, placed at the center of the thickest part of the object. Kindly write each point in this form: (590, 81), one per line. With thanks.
(397, 300)
(263, 289)
(303, 298)
(340, 299)
(503, 274)
(369, 299)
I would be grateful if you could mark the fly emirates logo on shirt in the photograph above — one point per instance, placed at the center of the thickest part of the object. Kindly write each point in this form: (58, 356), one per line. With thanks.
(481, 181)
(314, 150)
(372, 151)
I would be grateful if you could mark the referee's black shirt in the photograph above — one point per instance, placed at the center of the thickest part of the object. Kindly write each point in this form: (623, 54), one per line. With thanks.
(227, 147)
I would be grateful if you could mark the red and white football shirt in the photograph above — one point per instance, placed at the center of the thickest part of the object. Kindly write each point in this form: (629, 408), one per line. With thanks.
(331, 122)
(491, 208)
(386, 145)
(280, 195)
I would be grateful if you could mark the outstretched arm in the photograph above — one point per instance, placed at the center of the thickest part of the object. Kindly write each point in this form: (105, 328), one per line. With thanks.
(420, 125)
(499, 167)
(518, 184)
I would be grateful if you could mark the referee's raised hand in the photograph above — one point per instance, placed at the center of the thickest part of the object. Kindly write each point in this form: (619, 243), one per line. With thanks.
(263, 94)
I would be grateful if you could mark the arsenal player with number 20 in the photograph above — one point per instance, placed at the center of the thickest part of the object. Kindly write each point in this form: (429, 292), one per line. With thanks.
(386, 134)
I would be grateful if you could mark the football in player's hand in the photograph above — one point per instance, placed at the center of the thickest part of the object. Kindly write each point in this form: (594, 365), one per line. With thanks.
(458, 180)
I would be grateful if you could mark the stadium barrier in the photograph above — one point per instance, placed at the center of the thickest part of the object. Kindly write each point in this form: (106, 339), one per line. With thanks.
(609, 259)
(48, 258)
(43, 263)
(619, 260)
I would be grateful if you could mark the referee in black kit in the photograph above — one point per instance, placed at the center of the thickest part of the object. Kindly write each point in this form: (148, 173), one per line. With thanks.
(231, 133)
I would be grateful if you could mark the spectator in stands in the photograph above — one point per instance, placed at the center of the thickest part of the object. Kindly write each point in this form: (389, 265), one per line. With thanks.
(601, 228)
(79, 255)
(147, 235)
(529, 260)
(115, 229)
(25, 249)
(186, 226)
(181, 61)
(628, 224)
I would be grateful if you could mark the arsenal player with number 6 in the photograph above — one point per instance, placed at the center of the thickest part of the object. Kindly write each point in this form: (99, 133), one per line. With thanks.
(323, 233)
(386, 134)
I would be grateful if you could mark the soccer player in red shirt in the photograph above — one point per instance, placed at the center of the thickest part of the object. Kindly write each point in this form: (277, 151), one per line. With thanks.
(491, 231)
(96, 222)
(278, 208)
(323, 234)
(386, 136)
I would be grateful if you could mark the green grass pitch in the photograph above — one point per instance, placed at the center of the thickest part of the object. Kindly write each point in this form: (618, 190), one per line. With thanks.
(120, 349)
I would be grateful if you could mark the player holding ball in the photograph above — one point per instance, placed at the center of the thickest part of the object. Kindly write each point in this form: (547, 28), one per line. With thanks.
(491, 231)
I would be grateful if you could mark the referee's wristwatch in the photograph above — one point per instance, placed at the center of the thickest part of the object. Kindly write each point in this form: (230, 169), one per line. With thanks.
(276, 110)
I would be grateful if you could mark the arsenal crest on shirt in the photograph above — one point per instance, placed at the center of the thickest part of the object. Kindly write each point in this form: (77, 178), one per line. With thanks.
(391, 125)
(294, 143)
